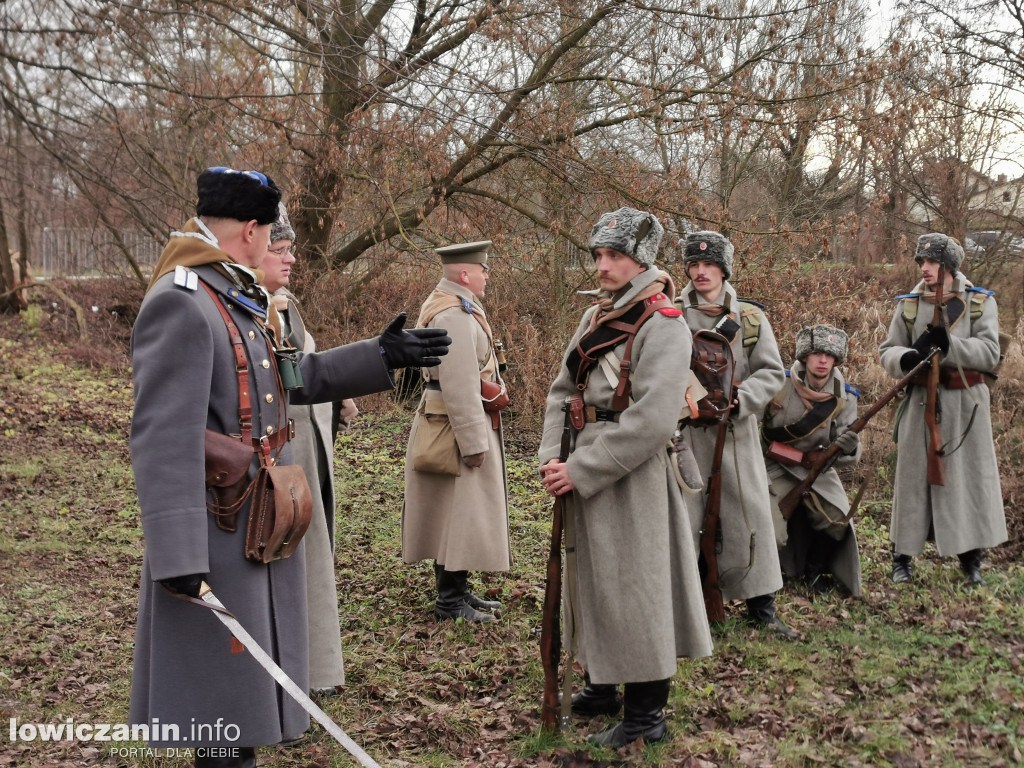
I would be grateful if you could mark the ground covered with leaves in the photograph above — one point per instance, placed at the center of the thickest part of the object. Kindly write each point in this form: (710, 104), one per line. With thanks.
(927, 674)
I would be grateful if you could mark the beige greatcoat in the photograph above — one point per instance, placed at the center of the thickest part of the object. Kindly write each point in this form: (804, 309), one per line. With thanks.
(966, 513)
(829, 488)
(748, 565)
(461, 522)
(634, 584)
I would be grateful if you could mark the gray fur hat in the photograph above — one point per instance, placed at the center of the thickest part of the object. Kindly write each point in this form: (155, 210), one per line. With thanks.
(627, 230)
(822, 338)
(282, 228)
(941, 248)
(708, 246)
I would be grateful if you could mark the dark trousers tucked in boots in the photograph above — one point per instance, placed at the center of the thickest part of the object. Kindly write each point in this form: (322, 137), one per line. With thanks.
(970, 563)
(902, 568)
(644, 716)
(761, 613)
(822, 551)
(246, 758)
(596, 699)
(453, 597)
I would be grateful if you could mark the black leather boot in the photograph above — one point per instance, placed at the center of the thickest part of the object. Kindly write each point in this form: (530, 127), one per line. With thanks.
(451, 602)
(970, 563)
(761, 613)
(246, 758)
(596, 699)
(644, 716)
(902, 568)
(486, 606)
(818, 572)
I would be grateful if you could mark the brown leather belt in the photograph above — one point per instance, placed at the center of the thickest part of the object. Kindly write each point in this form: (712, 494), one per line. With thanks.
(950, 378)
(276, 440)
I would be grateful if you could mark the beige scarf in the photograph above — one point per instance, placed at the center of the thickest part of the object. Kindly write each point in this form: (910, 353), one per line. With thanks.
(606, 304)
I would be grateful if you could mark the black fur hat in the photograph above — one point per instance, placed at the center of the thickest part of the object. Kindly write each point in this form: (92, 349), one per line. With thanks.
(225, 193)
(941, 248)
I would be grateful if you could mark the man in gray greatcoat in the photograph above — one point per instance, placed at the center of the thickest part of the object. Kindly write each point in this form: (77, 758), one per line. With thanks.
(632, 598)
(459, 519)
(313, 450)
(192, 377)
(748, 565)
(964, 516)
(814, 409)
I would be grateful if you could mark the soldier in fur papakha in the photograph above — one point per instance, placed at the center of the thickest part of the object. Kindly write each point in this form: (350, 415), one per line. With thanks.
(631, 586)
(456, 511)
(814, 409)
(749, 561)
(965, 516)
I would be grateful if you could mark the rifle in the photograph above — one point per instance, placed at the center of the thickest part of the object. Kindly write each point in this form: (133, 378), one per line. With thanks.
(936, 469)
(709, 534)
(789, 502)
(550, 628)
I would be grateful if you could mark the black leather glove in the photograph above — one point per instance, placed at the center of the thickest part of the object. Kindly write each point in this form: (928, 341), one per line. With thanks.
(935, 336)
(185, 585)
(909, 359)
(735, 410)
(418, 348)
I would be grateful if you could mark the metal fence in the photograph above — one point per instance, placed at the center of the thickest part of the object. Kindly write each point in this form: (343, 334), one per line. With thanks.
(78, 252)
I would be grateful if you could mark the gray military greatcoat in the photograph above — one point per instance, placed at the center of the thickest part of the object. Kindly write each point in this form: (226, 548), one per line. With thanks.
(186, 669)
(748, 565)
(633, 584)
(828, 487)
(460, 521)
(967, 512)
(313, 450)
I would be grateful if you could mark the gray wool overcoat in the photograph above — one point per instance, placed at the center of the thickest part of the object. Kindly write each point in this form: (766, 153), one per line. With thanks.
(313, 450)
(829, 488)
(966, 513)
(634, 598)
(460, 521)
(748, 565)
(186, 671)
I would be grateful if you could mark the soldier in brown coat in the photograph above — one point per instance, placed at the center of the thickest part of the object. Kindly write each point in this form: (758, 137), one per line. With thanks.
(457, 515)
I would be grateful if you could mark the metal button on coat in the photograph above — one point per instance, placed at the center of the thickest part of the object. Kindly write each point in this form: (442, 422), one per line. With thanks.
(270, 398)
(265, 363)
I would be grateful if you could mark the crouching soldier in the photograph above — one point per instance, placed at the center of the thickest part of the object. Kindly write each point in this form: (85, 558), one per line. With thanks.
(632, 588)
(814, 409)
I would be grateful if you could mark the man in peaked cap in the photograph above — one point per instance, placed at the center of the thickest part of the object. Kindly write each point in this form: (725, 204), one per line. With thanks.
(964, 516)
(206, 367)
(456, 511)
(749, 561)
(632, 599)
(814, 409)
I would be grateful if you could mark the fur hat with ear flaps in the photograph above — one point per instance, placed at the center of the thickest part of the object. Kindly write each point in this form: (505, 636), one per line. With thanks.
(941, 248)
(708, 246)
(822, 338)
(629, 231)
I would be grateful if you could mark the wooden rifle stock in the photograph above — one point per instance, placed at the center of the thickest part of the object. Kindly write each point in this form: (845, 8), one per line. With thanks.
(789, 502)
(936, 469)
(709, 535)
(550, 628)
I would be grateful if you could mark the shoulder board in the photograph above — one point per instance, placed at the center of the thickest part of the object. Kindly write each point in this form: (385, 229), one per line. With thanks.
(667, 309)
(983, 291)
(186, 278)
(903, 296)
(467, 305)
(852, 390)
(787, 373)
